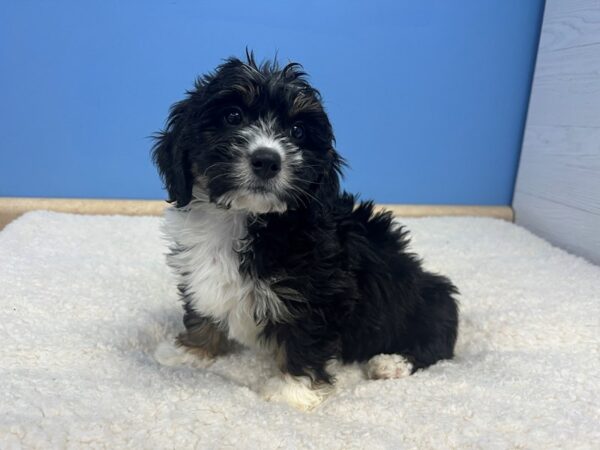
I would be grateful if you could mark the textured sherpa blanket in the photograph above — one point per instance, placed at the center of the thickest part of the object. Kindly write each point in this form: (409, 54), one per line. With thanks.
(85, 300)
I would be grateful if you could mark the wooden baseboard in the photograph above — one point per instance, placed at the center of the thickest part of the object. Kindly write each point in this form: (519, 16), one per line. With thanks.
(498, 212)
(13, 207)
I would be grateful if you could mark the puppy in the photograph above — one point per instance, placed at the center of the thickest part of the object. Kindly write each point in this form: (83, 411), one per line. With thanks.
(271, 254)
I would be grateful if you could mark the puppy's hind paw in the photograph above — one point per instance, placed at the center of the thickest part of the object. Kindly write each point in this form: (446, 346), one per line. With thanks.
(386, 366)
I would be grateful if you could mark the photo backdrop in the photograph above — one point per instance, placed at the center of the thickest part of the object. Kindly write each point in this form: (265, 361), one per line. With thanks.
(428, 99)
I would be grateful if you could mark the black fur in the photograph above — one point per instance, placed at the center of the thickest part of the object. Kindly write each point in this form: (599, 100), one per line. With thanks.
(196, 124)
(342, 270)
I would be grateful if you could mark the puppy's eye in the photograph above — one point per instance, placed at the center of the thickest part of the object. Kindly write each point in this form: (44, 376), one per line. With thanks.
(233, 116)
(297, 132)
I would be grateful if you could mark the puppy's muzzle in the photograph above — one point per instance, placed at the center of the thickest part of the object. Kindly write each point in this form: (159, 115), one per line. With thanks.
(265, 162)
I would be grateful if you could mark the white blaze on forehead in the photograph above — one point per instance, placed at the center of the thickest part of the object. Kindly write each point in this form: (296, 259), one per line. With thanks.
(261, 140)
(263, 135)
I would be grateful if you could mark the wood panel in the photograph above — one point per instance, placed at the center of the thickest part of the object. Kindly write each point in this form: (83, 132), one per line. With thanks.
(570, 23)
(557, 193)
(562, 164)
(573, 229)
(566, 88)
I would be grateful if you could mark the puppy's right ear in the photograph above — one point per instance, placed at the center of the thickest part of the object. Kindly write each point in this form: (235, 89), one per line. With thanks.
(171, 158)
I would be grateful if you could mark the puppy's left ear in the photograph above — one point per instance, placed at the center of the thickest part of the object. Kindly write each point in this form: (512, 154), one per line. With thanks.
(171, 158)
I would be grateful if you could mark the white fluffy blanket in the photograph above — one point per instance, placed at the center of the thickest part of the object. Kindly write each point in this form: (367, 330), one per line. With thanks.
(85, 300)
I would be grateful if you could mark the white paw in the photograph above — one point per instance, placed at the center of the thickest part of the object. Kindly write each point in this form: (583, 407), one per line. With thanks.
(295, 391)
(385, 366)
(169, 353)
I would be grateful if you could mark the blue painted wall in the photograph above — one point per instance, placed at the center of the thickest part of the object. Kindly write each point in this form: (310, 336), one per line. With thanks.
(428, 98)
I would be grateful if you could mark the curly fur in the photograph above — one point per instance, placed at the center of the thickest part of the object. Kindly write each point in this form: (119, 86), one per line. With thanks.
(291, 264)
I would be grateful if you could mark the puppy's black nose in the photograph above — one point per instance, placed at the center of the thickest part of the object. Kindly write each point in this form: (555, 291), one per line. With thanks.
(266, 163)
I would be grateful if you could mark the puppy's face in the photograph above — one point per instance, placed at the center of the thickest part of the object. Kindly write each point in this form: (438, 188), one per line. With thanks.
(250, 137)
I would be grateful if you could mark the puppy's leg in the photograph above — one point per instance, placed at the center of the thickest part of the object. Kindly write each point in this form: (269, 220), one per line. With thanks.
(431, 337)
(385, 366)
(298, 391)
(202, 340)
(436, 326)
(301, 388)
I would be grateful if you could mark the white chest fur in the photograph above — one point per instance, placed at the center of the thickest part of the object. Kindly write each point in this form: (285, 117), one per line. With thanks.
(208, 264)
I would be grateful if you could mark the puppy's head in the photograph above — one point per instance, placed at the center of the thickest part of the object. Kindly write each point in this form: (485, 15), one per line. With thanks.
(250, 137)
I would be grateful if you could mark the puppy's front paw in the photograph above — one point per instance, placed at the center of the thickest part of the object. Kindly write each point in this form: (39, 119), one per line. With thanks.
(385, 366)
(298, 392)
(170, 353)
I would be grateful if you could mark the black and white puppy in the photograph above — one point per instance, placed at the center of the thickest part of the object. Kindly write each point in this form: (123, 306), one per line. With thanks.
(271, 254)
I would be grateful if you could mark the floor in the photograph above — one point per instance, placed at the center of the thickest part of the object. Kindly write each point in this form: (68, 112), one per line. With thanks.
(85, 300)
